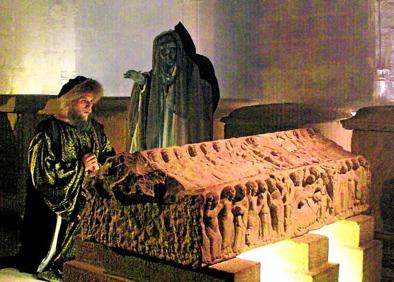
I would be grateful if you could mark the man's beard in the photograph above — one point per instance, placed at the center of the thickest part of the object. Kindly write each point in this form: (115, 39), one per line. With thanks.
(79, 122)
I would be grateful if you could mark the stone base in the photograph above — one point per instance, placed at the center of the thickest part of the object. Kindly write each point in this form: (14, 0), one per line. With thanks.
(95, 262)
(353, 247)
(236, 269)
(317, 268)
(301, 259)
(80, 271)
(316, 250)
(347, 243)
(327, 273)
(387, 240)
(372, 261)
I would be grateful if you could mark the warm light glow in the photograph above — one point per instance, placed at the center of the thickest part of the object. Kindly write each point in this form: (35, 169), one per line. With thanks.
(43, 77)
(39, 50)
(344, 238)
(286, 260)
(342, 232)
(382, 88)
(334, 130)
(384, 84)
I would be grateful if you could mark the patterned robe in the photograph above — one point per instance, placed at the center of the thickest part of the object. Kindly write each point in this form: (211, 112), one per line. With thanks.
(57, 173)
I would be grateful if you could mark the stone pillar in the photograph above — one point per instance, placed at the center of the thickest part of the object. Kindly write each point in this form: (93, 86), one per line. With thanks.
(373, 137)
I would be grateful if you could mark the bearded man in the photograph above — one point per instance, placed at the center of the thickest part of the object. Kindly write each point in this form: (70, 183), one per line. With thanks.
(65, 147)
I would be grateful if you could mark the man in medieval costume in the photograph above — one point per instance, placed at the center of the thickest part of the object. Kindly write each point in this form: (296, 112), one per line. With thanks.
(173, 104)
(65, 147)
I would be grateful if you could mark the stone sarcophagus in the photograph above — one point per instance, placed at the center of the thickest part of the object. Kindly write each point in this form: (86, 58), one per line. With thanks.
(199, 204)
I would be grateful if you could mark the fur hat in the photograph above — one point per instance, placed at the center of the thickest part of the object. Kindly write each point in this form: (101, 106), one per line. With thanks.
(70, 91)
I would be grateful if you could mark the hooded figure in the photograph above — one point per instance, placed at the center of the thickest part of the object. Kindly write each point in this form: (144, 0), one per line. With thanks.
(173, 104)
(65, 147)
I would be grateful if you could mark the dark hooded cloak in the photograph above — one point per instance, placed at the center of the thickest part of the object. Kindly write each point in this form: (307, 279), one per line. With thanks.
(180, 111)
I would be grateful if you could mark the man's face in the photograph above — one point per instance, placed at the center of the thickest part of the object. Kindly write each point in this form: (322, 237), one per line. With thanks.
(168, 53)
(82, 107)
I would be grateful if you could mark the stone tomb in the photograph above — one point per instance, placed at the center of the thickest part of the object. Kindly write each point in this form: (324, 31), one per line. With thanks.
(201, 204)
(375, 125)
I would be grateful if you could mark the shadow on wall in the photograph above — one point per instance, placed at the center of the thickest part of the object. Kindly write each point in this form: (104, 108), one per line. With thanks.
(8, 161)
(386, 205)
(13, 176)
(301, 51)
(235, 44)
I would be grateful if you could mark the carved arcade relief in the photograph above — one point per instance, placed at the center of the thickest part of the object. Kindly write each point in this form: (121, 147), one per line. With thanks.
(203, 203)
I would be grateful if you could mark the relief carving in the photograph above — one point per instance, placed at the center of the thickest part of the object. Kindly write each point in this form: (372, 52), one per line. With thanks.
(203, 203)
(211, 221)
(265, 213)
(253, 220)
(226, 219)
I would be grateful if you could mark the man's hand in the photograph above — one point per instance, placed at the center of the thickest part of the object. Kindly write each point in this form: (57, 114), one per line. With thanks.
(90, 162)
(138, 77)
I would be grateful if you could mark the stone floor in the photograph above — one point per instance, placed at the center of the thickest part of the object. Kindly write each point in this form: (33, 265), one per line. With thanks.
(13, 275)
(9, 243)
(10, 224)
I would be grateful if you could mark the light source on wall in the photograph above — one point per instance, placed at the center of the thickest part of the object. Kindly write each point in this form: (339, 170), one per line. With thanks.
(383, 83)
(384, 79)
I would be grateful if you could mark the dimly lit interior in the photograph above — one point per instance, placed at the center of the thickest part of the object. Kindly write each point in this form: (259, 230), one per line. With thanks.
(280, 65)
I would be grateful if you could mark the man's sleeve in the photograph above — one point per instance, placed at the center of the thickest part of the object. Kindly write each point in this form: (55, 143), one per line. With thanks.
(106, 149)
(58, 182)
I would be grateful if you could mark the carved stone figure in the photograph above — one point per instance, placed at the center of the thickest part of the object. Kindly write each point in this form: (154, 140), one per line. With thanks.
(277, 211)
(265, 214)
(211, 222)
(287, 196)
(173, 104)
(206, 243)
(227, 219)
(240, 228)
(240, 211)
(253, 223)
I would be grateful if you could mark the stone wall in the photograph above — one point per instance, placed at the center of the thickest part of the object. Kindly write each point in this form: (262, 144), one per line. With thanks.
(38, 46)
(298, 51)
(44, 43)
(384, 34)
(288, 51)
